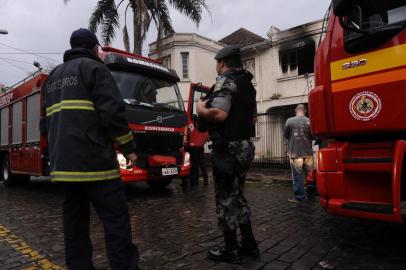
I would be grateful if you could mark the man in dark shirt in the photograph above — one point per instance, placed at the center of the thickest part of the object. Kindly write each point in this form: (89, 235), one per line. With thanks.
(297, 131)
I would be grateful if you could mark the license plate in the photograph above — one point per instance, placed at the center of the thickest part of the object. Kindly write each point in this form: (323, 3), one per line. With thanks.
(169, 171)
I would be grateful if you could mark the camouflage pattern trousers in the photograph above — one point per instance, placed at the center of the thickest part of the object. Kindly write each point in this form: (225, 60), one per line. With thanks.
(230, 166)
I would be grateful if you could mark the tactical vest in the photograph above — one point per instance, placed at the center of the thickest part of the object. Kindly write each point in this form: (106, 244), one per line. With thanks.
(239, 124)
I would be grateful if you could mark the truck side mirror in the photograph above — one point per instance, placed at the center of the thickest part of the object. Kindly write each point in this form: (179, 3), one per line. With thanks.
(354, 20)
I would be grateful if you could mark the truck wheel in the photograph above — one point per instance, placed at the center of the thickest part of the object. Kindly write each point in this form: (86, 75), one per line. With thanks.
(6, 173)
(159, 184)
(12, 179)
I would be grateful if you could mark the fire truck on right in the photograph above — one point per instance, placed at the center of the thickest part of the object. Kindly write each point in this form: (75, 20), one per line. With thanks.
(359, 106)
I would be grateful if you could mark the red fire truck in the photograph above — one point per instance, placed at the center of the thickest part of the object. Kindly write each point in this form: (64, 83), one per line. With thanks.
(155, 113)
(357, 106)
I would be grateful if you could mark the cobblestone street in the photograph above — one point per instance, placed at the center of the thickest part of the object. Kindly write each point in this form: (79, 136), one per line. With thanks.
(174, 228)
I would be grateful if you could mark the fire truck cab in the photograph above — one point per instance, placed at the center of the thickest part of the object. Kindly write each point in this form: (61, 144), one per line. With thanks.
(154, 110)
(357, 105)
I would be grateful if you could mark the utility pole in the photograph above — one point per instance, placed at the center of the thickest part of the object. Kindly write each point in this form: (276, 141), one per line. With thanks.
(3, 88)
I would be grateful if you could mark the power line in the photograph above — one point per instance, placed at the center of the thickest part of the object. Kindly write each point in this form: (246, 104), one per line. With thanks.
(15, 60)
(33, 53)
(10, 74)
(16, 66)
(307, 87)
(21, 50)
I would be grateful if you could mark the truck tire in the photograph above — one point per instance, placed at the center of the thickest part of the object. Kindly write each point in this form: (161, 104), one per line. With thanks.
(9, 179)
(159, 184)
(6, 173)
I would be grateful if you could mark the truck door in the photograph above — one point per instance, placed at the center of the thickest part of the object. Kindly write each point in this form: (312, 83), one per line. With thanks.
(196, 92)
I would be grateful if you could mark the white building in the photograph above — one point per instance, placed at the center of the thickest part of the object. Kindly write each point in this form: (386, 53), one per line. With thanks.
(191, 55)
(282, 65)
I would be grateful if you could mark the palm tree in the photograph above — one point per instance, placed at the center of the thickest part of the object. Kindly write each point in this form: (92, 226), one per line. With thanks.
(106, 16)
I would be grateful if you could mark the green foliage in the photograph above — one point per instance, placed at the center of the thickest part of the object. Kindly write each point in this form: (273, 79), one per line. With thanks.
(106, 17)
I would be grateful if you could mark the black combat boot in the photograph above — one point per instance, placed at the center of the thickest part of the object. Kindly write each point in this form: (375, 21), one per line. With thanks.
(249, 245)
(230, 252)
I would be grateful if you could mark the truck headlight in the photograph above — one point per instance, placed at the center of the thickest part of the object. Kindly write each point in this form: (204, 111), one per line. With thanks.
(122, 161)
(186, 160)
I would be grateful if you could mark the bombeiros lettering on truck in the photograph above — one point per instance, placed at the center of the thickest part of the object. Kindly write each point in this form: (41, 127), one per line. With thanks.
(6, 99)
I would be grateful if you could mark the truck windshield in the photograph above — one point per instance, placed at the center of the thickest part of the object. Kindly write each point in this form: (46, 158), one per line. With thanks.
(391, 16)
(372, 20)
(150, 92)
(370, 26)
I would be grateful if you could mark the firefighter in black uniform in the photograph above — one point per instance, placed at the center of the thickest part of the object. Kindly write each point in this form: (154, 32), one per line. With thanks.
(85, 116)
(230, 114)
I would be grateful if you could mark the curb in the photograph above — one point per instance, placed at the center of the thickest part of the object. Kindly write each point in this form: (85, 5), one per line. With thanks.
(269, 180)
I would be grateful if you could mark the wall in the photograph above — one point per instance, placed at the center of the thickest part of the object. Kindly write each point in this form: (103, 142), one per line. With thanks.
(202, 65)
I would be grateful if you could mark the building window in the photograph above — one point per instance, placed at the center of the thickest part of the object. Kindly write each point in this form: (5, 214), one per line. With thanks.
(249, 64)
(185, 65)
(297, 59)
(166, 61)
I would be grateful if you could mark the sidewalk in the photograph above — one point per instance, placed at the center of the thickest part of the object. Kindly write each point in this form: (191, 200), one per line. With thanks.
(269, 175)
(266, 175)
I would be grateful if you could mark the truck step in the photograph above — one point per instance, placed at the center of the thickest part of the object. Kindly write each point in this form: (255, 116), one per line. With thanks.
(369, 160)
(369, 207)
(368, 164)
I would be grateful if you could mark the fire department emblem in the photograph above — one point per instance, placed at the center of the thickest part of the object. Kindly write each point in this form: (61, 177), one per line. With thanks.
(365, 106)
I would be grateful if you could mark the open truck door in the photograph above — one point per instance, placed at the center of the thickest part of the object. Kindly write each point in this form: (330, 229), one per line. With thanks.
(195, 138)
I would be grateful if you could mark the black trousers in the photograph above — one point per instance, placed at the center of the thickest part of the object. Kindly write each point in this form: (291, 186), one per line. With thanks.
(198, 162)
(109, 201)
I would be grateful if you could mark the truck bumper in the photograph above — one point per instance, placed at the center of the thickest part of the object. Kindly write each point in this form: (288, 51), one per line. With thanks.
(362, 180)
(136, 174)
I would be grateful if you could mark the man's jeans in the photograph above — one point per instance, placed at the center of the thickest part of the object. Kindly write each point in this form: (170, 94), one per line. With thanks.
(301, 167)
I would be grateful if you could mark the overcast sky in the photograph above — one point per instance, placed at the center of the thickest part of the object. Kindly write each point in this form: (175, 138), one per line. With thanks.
(44, 26)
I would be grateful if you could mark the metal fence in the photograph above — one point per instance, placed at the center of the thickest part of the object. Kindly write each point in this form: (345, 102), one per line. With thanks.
(270, 145)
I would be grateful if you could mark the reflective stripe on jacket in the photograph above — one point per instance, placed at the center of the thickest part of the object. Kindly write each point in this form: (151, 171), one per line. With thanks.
(85, 116)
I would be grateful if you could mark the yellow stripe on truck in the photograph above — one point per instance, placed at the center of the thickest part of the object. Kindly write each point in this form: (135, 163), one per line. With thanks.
(369, 80)
(375, 61)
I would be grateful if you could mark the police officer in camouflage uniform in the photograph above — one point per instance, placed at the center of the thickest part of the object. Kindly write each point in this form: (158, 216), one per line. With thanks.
(230, 113)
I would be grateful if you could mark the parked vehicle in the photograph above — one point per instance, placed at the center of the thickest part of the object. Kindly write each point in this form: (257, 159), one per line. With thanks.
(155, 113)
(357, 105)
